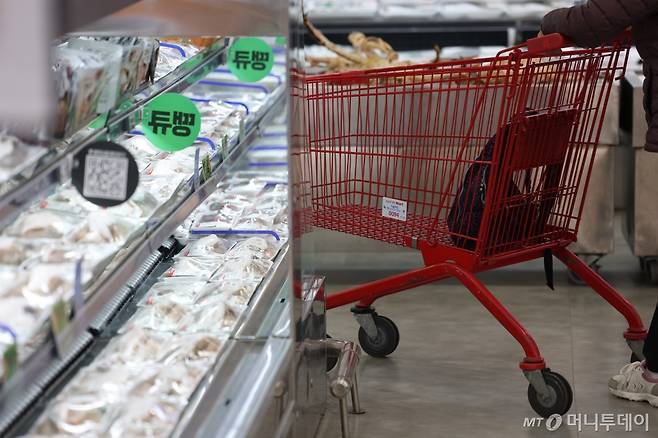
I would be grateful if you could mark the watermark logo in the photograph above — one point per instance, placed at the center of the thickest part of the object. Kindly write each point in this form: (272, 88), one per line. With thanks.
(596, 422)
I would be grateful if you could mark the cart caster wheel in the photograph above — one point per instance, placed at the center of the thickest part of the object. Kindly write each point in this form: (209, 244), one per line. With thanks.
(331, 360)
(387, 340)
(560, 398)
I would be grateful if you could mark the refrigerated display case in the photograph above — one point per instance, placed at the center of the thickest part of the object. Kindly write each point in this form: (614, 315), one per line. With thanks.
(172, 314)
(418, 24)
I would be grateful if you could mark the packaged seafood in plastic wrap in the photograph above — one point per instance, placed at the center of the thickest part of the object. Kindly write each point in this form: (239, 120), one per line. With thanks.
(164, 315)
(16, 156)
(243, 268)
(270, 82)
(249, 100)
(102, 227)
(95, 257)
(200, 268)
(67, 199)
(15, 310)
(196, 349)
(43, 224)
(213, 115)
(234, 292)
(79, 79)
(150, 416)
(136, 344)
(171, 166)
(171, 56)
(238, 187)
(162, 188)
(138, 60)
(15, 251)
(209, 246)
(141, 148)
(265, 248)
(111, 54)
(181, 290)
(48, 282)
(215, 315)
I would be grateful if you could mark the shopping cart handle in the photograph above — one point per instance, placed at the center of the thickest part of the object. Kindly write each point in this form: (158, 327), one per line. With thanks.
(547, 43)
(552, 43)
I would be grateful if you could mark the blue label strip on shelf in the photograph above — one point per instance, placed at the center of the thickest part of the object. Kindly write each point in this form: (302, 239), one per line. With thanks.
(270, 75)
(175, 47)
(5, 328)
(229, 102)
(235, 232)
(235, 85)
(210, 143)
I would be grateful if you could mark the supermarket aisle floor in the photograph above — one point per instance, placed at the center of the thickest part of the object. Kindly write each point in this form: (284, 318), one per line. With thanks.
(455, 373)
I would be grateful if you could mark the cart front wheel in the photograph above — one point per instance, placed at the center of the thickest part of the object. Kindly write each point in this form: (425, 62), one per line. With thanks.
(387, 340)
(559, 399)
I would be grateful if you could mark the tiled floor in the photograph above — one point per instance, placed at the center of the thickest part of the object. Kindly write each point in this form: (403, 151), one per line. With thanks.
(455, 373)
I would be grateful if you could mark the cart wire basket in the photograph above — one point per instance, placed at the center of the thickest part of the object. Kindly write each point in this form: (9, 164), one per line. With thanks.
(477, 163)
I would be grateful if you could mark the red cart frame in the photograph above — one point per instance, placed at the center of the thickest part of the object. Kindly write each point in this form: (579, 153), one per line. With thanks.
(398, 155)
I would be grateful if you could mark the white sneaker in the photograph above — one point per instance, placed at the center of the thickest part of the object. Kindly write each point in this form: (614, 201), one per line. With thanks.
(631, 385)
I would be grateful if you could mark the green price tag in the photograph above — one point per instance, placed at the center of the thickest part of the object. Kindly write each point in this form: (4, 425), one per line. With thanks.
(59, 318)
(9, 362)
(171, 122)
(250, 59)
(206, 168)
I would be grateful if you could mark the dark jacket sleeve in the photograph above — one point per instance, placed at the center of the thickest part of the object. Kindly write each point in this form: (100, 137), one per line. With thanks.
(597, 21)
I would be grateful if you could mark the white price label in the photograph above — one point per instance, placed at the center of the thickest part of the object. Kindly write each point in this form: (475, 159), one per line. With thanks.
(394, 209)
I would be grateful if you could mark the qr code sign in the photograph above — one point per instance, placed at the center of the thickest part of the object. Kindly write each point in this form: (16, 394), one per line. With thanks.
(106, 175)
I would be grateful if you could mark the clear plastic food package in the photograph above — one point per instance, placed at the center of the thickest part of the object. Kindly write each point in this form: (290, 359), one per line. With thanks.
(102, 227)
(164, 315)
(43, 224)
(256, 247)
(234, 292)
(181, 290)
(200, 268)
(244, 268)
(79, 76)
(16, 156)
(208, 246)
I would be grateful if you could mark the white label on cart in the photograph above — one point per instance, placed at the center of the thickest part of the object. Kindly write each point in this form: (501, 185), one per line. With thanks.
(394, 209)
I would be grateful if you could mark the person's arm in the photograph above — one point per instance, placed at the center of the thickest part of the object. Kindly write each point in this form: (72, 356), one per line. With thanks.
(597, 21)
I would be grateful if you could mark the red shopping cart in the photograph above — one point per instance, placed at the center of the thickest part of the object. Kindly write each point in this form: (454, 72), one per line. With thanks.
(477, 163)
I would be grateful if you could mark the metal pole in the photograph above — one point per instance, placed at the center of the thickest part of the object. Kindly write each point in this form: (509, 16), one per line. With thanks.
(356, 402)
(342, 403)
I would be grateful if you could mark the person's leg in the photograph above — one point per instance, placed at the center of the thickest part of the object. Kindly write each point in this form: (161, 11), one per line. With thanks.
(651, 344)
(639, 381)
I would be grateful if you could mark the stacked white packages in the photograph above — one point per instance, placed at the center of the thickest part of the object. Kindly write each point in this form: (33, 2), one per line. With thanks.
(40, 250)
(142, 381)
